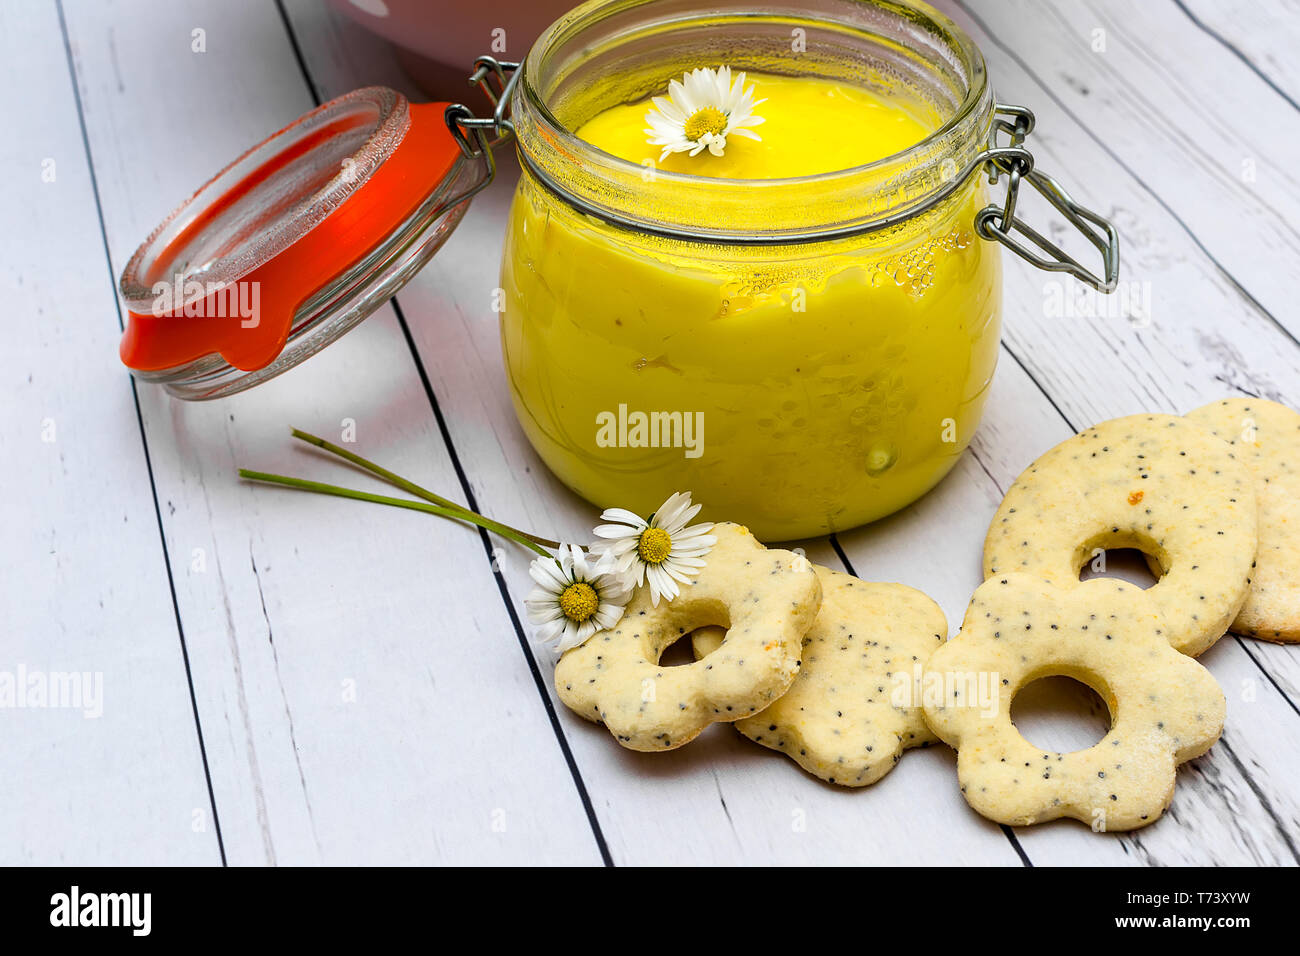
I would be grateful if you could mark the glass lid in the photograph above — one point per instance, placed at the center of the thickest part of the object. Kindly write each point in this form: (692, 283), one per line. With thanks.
(295, 242)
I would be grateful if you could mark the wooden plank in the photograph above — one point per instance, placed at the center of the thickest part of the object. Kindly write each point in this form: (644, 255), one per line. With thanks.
(362, 690)
(720, 800)
(83, 582)
(1214, 145)
(1263, 35)
(1203, 340)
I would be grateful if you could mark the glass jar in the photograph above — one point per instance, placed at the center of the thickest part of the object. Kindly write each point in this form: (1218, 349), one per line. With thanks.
(803, 355)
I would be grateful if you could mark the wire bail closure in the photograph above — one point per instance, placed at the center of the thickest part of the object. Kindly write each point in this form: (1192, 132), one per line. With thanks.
(478, 136)
(1002, 224)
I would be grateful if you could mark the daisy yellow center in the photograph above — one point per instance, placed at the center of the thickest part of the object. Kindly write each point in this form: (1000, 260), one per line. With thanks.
(579, 601)
(654, 545)
(708, 120)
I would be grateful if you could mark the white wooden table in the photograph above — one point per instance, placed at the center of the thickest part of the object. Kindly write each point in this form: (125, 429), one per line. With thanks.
(294, 679)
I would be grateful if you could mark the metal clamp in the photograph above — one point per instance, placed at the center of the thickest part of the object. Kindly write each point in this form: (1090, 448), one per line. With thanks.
(1002, 223)
(496, 79)
(475, 135)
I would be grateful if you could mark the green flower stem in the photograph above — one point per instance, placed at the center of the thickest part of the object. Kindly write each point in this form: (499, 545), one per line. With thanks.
(407, 485)
(456, 512)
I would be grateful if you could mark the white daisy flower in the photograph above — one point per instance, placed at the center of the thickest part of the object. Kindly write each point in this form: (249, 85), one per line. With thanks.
(700, 113)
(575, 597)
(662, 550)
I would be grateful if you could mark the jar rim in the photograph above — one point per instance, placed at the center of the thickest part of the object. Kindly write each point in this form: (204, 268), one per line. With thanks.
(583, 174)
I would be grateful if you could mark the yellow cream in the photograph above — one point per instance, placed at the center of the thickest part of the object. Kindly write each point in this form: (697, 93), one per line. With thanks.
(799, 388)
(809, 126)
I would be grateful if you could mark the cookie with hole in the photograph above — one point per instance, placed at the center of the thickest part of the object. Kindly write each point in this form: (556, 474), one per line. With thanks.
(1165, 707)
(1156, 483)
(767, 599)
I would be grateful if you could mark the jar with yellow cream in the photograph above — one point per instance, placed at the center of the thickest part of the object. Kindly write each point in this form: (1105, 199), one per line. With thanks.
(780, 292)
(801, 331)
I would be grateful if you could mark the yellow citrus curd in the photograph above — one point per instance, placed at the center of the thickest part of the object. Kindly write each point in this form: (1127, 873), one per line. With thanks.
(809, 126)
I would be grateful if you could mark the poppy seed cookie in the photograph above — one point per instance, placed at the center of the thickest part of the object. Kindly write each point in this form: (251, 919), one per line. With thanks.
(1265, 437)
(856, 704)
(1165, 707)
(1158, 483)
(768, 598)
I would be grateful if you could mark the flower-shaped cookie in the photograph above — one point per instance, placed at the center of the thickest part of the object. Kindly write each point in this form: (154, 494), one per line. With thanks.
(1165, 707)
(766, 598)
(855, 706)
(1157, 483)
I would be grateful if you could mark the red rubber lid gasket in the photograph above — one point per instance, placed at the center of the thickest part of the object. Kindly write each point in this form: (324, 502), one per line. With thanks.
(417, 165)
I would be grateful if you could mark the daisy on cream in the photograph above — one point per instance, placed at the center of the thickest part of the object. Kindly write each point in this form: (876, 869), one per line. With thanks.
(701, 111)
